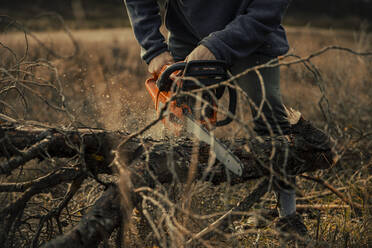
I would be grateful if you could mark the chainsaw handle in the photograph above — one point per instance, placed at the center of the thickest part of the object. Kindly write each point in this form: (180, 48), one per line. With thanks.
(164, 82)
(197, 68)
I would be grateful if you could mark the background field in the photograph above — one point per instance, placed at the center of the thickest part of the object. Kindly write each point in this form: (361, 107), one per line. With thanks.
(82, 14)
(103, 84)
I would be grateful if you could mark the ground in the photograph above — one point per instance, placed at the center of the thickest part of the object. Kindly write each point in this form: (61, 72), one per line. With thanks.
(104, 87)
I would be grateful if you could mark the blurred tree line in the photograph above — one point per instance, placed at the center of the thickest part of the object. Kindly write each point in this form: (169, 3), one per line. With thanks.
(333, 8)
(67, 8)
(300, 11)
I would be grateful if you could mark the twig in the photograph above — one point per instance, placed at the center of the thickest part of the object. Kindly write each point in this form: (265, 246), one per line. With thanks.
(244, 205)
(95, 226)
(336, 192)
(13, 209)
(56, 212)
(53, 179)
(33, 152)
(44, 180)
(6, 118)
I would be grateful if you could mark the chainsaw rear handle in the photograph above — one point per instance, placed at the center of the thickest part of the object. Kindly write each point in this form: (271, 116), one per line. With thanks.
(208, 72)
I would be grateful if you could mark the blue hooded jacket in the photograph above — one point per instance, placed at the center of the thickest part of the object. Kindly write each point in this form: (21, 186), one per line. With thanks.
(230, 29)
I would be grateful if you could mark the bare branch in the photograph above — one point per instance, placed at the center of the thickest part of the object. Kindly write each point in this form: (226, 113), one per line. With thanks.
(337, 193)
(56, 212)
(31, 153)
(95, 226)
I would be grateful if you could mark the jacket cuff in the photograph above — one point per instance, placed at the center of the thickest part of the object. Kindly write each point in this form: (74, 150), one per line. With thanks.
(148, 55)
(216, 46)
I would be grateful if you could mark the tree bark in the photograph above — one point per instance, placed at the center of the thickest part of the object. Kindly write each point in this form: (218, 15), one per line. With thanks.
(260, 156)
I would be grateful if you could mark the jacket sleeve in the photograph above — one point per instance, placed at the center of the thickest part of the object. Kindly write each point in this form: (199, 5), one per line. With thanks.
(247, 32)
(145, 19)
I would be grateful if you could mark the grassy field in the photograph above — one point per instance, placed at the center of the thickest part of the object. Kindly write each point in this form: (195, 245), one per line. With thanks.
(103, 86)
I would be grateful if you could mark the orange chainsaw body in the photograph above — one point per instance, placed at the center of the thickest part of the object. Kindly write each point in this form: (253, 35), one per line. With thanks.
(185, 77)
(174, 120)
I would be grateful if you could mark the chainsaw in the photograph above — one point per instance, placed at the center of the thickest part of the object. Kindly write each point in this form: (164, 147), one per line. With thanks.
(187, 94)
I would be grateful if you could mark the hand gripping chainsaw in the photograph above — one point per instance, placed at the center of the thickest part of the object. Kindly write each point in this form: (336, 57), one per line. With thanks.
(186, 94)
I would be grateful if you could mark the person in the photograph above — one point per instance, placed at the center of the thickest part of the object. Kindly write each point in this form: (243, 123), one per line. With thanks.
(244, 33)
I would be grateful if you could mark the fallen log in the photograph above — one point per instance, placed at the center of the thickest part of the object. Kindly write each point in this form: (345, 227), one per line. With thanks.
(294, 155)
(149, 161)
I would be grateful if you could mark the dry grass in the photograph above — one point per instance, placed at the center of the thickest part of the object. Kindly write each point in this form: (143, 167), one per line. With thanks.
(104, 87)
